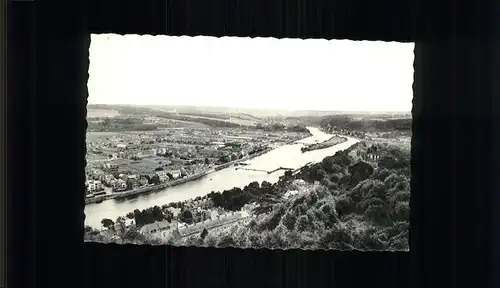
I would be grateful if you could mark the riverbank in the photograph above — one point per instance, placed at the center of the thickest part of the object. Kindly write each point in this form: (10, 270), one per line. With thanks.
(288, 156)
(118, 195)
(335, 140)
(223, 216)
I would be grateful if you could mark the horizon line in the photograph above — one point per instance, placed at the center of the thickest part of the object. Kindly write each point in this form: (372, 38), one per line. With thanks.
(253, 108)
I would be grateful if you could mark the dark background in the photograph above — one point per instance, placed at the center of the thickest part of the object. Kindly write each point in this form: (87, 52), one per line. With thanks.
(454, 147)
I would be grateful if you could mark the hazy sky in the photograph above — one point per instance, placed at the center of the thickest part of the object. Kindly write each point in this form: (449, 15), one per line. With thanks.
(293, 74)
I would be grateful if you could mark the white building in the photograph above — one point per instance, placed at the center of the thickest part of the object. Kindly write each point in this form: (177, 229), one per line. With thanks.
(159, 229)
(290, 193)
(216, 222)
(108, 178)
(175, 173)
(95, 186)
(162, 175)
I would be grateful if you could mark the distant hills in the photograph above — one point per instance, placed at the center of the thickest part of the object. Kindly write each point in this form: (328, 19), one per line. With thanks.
(248, 111)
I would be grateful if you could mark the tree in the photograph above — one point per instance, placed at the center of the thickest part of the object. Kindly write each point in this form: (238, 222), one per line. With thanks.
(130, 215)
(186, 216)
(289, 220)
(106, 122)
(317, 172)
(328, 163)
(183, 172)
(204, 233)
(130, 184)
(107, 223)
(237, 201)
(288, 175)
(359, 172)
(387, 161)
(207, 161)
(226, 241)
(138, 218)
(402, 211)
(155, 180)
(88, 229)
(381, 173)
(217, 199)
(252, 188)
(235, 198)
(345, 205)
(262, 209)
(132, 234)
(157, 213)
(266, 185)
(303, 223)
(121, 224)
(340, 158)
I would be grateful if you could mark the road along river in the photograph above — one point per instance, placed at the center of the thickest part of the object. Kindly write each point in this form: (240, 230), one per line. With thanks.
(288, 156)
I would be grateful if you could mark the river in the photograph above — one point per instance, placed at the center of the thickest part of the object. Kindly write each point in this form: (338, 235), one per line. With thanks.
(288, 156)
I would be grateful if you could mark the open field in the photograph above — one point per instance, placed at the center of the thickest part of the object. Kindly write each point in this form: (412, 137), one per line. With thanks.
(244, 122)
(95, 157)
(205, 115)
(92, 113)
(139, 167)
(96, 136)
(239, 121)
(170, 123)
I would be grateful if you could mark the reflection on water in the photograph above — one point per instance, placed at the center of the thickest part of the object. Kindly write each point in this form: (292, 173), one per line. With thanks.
(288, 156)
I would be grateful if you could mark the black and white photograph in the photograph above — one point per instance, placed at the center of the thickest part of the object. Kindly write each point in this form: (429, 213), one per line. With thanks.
(258, 143)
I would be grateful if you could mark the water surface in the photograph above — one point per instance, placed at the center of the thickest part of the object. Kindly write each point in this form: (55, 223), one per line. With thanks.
(288, 156)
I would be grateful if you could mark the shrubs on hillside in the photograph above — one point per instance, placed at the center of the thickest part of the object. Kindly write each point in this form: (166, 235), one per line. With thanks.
(355, 206)
(339, 203)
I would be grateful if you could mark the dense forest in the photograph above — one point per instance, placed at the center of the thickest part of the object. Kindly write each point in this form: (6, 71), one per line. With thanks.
(281, 127)
(366, 125)
(207, 115)
(347, 204)
(120, 124)
(206, 121)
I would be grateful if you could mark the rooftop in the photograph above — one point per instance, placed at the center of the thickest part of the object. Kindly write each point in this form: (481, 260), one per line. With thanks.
(156, 226)
(209, 224)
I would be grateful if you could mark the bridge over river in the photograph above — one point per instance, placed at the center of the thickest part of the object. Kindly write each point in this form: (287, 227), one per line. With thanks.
(272, 171)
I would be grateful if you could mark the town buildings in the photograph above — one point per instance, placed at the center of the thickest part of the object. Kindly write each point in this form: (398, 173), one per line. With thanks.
(158, 228)
(121, 160)
(177, 229)
(119, 185)
(176, 174)
(94, 186)
(162, 175)
(121, 146)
